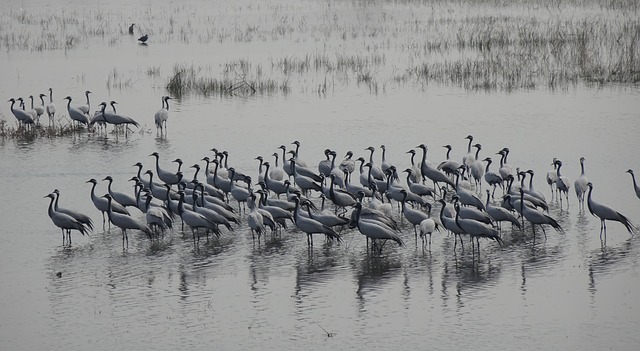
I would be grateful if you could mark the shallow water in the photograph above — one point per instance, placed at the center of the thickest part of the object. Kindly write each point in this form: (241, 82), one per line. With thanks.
(570, 289)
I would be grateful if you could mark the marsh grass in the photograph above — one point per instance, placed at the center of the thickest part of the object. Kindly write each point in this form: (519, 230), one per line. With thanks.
(17, 131)
(485, 44)
(238, 78)
(116, 80)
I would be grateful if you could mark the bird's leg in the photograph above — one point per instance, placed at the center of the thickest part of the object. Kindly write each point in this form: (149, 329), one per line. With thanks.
(544, 232)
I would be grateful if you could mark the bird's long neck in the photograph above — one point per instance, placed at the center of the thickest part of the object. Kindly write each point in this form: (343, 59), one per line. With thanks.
(448, 152)
(157, 164)
(413, 154)
(635, 185)
(109, 186)
(31, 97)
(42, 100)
(68, 104)
(50, 211)
(55, 206)
(295, 210)
(558, 170)
(147, 203)
(50, 96)
(93, 191)
(582, 168)
(166, 101)
(531, 182)
(195, 175)
(109, 210)
(371, 157)
(266, 170)
(457, 219)
(88, 102)
(408, 178)
(444, 204)
(477, 152)
(469, 145)
(180, 205)
(589, 200)
(488, 164)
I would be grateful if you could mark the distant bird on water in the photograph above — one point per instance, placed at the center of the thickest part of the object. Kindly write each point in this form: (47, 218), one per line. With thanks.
(143, 39)
(131, 28)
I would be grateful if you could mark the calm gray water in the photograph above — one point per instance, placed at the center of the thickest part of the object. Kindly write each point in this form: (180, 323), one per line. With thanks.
(568, 291)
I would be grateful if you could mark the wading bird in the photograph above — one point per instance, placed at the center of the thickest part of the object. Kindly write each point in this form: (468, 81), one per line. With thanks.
(635, 185)
(162, 115)
(64, 222)
(124, 222)
(605, 213)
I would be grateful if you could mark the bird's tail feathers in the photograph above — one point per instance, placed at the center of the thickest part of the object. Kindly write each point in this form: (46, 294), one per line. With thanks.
(627, 223)
(331, 234)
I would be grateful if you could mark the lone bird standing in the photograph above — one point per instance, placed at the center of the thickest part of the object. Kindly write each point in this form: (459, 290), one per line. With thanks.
(131, 28)
(605, 212)
(143, 39)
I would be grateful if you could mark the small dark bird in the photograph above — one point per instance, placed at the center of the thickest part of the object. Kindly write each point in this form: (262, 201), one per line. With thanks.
(143, 39)
(131, 28)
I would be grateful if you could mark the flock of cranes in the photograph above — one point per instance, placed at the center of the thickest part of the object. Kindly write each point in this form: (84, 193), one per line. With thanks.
(80, 115)
(288, 192)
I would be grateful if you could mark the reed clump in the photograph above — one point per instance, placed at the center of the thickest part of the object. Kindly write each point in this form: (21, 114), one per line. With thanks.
(238, 77)
(18, 131)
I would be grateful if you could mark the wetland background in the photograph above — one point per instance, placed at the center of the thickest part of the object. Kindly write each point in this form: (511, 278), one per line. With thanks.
(545, 78)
